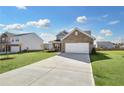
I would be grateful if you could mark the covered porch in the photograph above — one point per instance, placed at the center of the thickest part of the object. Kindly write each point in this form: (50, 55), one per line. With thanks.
(56, 45)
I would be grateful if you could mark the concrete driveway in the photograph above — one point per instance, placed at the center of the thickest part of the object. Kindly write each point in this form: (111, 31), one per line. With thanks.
(62, 70)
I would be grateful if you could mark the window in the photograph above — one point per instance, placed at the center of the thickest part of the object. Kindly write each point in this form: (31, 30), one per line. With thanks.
(76, 33)
(12, 40)
(17, 40)
(3, 39)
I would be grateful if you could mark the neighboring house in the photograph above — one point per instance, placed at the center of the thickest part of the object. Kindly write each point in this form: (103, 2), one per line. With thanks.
(122, 47)
(76, 41)
(105, 45)
(19, 42)
(119, 45)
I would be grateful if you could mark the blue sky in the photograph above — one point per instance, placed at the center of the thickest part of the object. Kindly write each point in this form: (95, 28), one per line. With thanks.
(106, 23)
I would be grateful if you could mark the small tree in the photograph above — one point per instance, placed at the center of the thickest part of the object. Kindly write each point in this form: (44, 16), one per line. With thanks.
(7, 56)
(93, 51)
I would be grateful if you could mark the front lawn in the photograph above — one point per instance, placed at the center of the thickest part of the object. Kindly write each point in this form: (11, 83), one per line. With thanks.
(108, 68)
(14, 61)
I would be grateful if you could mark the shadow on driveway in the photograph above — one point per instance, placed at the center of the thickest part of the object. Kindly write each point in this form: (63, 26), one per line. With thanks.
(77, 56)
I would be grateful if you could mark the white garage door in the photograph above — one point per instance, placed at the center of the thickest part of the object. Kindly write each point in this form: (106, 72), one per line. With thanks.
(77, 47)
(15, 49)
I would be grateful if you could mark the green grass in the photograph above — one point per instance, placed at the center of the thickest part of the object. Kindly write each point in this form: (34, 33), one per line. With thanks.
(19, 60)
(108, 68)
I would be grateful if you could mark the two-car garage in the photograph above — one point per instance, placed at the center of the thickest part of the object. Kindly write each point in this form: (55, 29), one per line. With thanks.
(78, 41)
(77, 47)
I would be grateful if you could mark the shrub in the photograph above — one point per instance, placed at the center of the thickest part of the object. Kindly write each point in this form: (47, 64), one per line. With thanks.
(93, 51)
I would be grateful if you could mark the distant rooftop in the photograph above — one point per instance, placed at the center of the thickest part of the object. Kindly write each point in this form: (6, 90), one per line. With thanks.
(12, 34)
(64, 32)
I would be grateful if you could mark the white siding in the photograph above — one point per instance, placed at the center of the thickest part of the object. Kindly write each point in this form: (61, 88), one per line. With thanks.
(30, 41)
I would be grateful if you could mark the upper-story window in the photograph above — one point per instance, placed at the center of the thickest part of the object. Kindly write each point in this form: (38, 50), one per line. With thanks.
(12, 40)
(76, 33)
(3, 39)
(17, 40)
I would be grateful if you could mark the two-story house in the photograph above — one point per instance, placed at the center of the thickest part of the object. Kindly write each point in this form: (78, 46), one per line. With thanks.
(10, 42)
(75, 41)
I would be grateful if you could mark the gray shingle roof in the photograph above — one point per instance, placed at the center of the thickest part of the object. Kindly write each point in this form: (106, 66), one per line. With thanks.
(22, 34)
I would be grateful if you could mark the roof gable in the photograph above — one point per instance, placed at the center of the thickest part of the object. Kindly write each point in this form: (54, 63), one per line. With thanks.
(8, 34)
(76, 29)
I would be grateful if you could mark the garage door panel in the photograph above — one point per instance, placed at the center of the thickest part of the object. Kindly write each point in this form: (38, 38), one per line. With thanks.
(77, 47)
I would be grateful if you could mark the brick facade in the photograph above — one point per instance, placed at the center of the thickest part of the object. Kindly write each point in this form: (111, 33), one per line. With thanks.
(77, 37)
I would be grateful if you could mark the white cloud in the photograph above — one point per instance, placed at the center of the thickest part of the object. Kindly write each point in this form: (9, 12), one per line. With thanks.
(2, 25)
(81, 19)
(47, 37)
(32, 23)
(106, 32)
(103, 35)
(14, 27)
(42, 23)
(114, 22)
(21, 7)
(99, 38)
